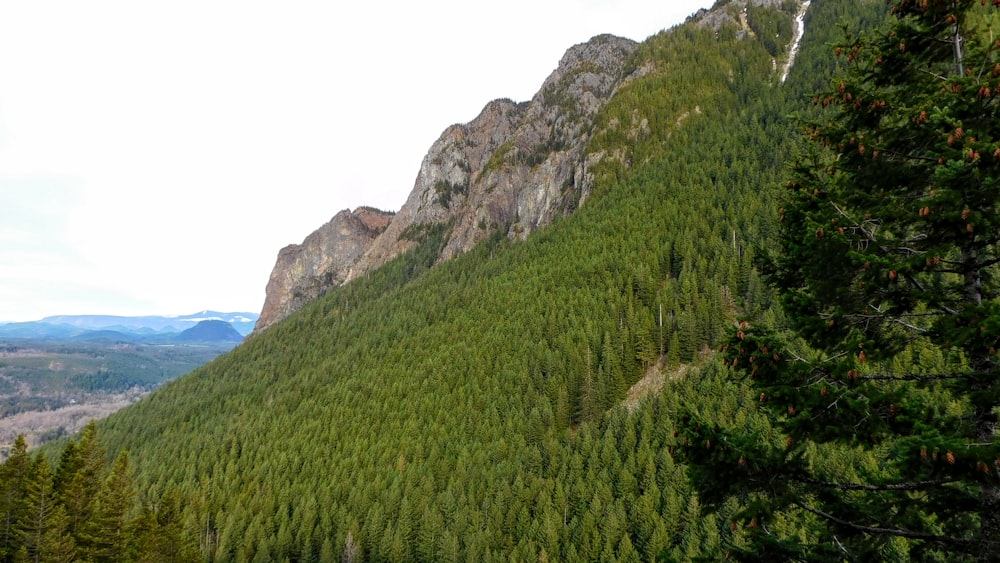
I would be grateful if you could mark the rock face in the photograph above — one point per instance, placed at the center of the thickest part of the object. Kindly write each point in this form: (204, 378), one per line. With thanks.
(734, 12)
(514, 168)
(305, 271)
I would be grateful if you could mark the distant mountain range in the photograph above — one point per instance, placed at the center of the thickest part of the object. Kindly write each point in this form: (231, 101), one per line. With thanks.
(123, 328)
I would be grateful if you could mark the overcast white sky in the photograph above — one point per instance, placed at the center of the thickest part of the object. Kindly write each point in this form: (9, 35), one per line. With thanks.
(155, 156)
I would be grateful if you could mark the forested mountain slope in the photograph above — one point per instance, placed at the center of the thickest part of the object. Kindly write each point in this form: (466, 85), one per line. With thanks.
(468, 411)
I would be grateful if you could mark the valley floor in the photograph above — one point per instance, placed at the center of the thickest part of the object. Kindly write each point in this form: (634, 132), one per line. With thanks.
(40, 426)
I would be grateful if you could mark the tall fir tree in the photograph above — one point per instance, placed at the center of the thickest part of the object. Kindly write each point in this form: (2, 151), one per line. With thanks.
(77, 484)
(888, 245)
(14, 475)
(44, 531)
(111, 528)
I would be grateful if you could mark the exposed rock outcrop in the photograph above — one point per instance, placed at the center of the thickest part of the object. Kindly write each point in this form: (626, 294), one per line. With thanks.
(513, 168)
(733, 12)
(305, 271)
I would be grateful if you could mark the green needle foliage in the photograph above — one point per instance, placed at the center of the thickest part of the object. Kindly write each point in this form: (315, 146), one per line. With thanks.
(83, 510)
(480, 409)
(886, 385)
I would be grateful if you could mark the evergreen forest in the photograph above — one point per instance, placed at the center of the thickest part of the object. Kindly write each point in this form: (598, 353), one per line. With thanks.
(491, 407)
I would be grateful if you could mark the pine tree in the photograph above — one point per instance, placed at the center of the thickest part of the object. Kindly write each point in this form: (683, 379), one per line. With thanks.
(110, 526)
(327, 551)
(888, 243)
(45, 530)
(77, 483)
(626, 552)
(13, 480)
(159, 534)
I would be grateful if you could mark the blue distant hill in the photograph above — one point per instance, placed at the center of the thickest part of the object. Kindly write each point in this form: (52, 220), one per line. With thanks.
(71, 326)
(210, 331)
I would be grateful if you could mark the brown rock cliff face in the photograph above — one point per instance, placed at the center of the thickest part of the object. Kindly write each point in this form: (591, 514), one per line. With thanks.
(305, 271)
(515, 167)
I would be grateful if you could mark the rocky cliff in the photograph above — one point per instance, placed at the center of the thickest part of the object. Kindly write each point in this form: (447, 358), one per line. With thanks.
(513, 168)
(305, 271)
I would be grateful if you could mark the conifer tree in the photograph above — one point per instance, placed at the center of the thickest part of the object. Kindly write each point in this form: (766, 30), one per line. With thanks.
(44, 531)
(888, 244)
(110, 527)
(78, 482)
(14, 476)
(158, 533)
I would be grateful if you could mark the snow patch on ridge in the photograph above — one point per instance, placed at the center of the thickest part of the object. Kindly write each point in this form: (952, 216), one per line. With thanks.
(800, 31)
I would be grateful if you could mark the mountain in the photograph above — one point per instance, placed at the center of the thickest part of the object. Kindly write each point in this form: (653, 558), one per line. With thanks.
(74, 325)
(108, 336)
(210, 331)
(512, 169)
(36, 329)
(504, 381)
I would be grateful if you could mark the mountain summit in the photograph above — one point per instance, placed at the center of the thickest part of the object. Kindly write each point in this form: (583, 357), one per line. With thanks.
(512, 169)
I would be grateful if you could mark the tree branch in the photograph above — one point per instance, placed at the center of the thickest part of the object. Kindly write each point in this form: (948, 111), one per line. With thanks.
(915, 377)
(884, 531)
(989, 263)
(917, 486)
(906, 156)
